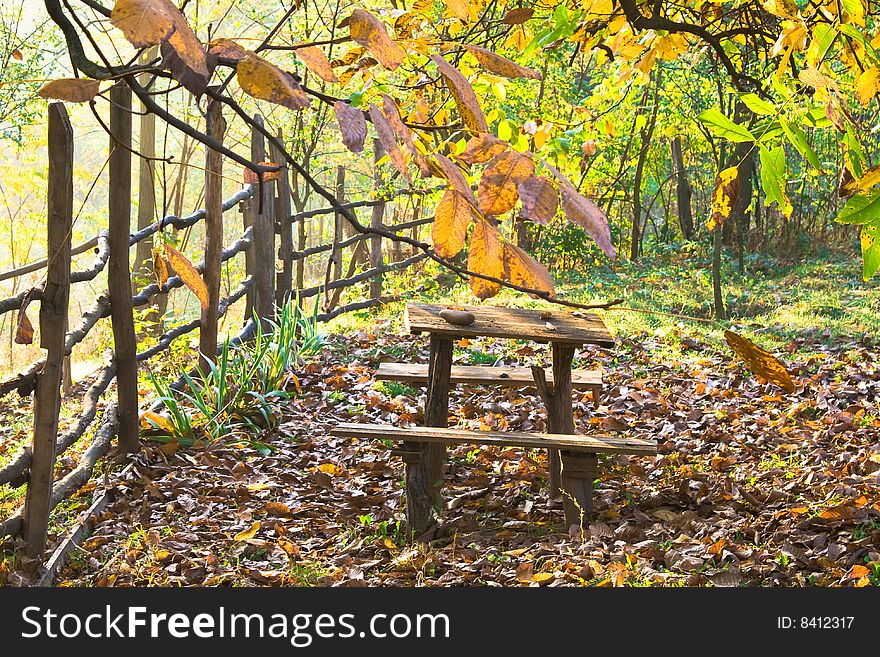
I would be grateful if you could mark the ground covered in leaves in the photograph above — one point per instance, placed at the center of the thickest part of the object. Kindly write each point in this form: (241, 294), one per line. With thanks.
(750, 486)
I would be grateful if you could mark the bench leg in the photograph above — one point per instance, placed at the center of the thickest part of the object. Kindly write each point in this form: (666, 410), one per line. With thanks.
(419, 488)
(554, 467)
(578, 472)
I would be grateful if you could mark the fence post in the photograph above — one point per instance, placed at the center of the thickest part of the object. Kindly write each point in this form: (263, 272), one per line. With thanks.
(376, 222)
(284, 279)
(118, 267)
(340, 222)
(53, 317)
(263, 232)
(216, 127)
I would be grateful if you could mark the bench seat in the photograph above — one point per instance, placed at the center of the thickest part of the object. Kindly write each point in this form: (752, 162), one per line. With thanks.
(488, 375)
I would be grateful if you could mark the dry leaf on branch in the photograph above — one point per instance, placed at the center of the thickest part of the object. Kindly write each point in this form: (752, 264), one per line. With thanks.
(188, 274)
(386, 136)
(585, 213)
(352, 126)
(724, 197)
(485, 257)
(540, 200)
(24, 332)
(497, 191)
(251, 177)
(70, 90)
(495, 63)
(456, 179)
(451, 221)
(265, 81)
(523, 270)
(316, 61)
(160, 268)
(370, 32)
(761, 362)
(482, 148)
(463, 94)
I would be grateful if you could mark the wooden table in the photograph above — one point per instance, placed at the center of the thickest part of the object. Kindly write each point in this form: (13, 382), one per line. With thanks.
(565, 331)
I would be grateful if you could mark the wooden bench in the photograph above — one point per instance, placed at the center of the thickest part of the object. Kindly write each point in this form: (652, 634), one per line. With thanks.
(579, 460)
(489, 375)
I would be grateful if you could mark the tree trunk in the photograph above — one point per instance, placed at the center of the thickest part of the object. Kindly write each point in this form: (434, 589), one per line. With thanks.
(216, 127)
(682, 191)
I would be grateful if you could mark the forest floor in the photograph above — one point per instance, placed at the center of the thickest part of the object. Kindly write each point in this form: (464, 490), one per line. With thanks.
(751, 486)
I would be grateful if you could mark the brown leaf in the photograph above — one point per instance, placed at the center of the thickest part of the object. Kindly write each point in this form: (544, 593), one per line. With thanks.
(495, 63)
(16, 55)
(71, 90)
(523, 270)
(227, 49)
(352, 125)
(762, 363)
(188, 274)
(146, 23)
(485, 257)
(583, 212)
(251, 177)
(278, 509)
(24, 332)
(518, 16)
(842, 512)
(456, 179)
(497, 191)
(316, 61)
(370, 32)
(540, 200)
(463, 94)
(392, 113)
(482, 148)
(248, 533)
(451, 221)
(262, 79)
(524, 572)
(160, 268)
(386, 136)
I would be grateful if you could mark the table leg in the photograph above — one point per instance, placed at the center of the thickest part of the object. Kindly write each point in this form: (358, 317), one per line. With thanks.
(578, 472)
(424, 475)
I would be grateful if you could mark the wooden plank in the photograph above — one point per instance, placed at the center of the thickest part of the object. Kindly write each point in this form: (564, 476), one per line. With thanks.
(263, 204)
(503, 375)
(213, 234)
(513, 323)
(53, 318)
(118, 268)
(580, 443)
(284, 281)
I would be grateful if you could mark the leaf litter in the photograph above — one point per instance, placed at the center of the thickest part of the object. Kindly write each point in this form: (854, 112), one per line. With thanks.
(750, 486)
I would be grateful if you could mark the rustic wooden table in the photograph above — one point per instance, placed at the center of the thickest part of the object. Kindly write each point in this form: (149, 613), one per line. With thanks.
(565, 331)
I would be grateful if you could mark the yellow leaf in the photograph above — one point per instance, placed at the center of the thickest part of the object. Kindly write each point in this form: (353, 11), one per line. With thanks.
(485, 257)
(249, 533)
(158, 420)
(458, 8)
(724, 196)
(262, 79)
(451, 220)
(482, 148)
(463, 94)
(868, 180)
(761, 362)
(330, 468)
(867, 85)
(521, 269)
(497, 191)
(542, 577)
(316, 61)
(71, 90)
(370, 32)
(188, 274)
(495, 63)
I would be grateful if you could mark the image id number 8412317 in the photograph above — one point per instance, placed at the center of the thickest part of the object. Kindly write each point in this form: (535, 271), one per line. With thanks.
(815, 622)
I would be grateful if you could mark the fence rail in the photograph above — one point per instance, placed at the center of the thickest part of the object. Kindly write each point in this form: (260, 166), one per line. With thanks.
(268, 282)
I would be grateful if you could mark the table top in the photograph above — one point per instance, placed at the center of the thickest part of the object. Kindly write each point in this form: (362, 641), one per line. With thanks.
(572, 328)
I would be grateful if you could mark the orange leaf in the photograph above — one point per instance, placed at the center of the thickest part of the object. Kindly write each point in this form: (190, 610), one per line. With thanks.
(485, 257)
(352, 125)
(149, 418)
(523, 270)
(227, 49)
(71, 90)
(386, 136)
(249, 533)
(316, 61)
(392, 113)
(463, 94)
(495, 63)
(497, 193)
(16, 55)
(24, 332)
(278, 509)
(761, 362)
(370, 32)
(251, 178)
(858, 571)
(262, 79)
(160, 268)
(518, 16)
(146, 23)
(451, 221)
(456, 179)
(482, 148)
(188, 274)
(540, 199)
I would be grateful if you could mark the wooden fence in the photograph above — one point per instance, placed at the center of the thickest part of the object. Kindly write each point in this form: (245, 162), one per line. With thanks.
(274, 273)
